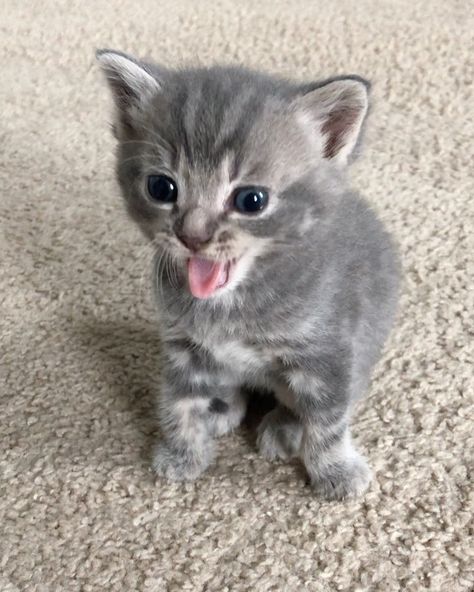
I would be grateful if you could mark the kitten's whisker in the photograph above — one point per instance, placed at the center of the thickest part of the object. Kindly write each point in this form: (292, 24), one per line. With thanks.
(135, 157)
(166, 268)
(174, 274)
(158, 275)
(145, 142)
(147, 270)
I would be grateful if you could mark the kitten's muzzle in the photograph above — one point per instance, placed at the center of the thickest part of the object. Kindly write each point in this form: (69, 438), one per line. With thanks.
(194, 242)
(194, 229)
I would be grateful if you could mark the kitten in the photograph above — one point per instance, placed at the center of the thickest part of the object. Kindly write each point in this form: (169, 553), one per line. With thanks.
(270, 273)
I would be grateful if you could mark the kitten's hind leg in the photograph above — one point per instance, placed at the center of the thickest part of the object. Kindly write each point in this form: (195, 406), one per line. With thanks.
(279, 434)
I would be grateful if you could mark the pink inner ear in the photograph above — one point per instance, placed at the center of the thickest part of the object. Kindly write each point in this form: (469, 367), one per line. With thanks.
(336, 127)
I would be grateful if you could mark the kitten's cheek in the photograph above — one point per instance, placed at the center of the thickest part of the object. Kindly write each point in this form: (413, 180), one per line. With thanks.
(241, 270)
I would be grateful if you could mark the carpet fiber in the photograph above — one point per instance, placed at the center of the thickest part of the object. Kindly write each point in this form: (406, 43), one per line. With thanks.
(79, 508)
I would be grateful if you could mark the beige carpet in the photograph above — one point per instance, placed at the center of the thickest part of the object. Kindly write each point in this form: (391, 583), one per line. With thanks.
(79, 508)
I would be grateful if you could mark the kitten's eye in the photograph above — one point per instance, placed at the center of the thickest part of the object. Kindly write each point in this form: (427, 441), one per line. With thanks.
(162, 188)
(250, 200)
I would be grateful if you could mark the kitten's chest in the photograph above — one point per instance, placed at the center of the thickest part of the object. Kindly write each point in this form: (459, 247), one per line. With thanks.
(241, 355)
(236, 353)
(230, 342)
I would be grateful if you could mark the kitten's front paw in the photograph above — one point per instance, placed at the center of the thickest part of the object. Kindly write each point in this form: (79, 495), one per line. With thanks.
(177, 465)
(349, 478)
(279, 436)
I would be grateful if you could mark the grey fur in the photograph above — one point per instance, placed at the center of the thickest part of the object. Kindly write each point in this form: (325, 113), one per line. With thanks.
(316, 295)
(280, 434)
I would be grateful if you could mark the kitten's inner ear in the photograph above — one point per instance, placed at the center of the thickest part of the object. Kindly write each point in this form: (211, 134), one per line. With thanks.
(129, 80)
(338, 108)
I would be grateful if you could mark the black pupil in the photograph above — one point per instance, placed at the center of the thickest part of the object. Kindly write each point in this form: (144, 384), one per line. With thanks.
(250, 200)
(162, 188)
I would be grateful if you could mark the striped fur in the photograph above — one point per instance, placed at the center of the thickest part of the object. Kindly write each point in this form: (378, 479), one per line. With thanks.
(315, 287)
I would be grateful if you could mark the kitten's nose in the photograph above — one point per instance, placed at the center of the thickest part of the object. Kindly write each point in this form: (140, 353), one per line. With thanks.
(194, 229)
(194, 243)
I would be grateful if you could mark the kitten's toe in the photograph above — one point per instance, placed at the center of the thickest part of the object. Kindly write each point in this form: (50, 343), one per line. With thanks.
(338, 481)
(178, 465)
(278, 437)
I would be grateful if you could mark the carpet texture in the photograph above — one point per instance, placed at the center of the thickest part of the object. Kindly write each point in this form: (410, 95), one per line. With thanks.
(79, 508)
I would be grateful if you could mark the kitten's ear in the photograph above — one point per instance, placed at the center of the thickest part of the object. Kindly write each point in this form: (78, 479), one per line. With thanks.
(338, 107)
(131, 82)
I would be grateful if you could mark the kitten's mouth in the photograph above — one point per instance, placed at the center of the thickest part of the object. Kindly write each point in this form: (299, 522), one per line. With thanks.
(205, 276)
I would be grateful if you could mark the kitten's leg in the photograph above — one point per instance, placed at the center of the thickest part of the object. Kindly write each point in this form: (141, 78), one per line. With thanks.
(279, 434)
(321, 399)
(226, 410)
(335, 468)
(197, 403)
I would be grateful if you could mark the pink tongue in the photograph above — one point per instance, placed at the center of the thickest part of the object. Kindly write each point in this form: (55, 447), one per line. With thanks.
(205, 276)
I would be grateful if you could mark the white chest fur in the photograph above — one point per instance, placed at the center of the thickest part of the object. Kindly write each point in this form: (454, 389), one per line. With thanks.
(240, 357)
(237, 353)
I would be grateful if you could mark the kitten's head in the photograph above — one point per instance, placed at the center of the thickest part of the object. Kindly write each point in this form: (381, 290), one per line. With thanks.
(221, 166)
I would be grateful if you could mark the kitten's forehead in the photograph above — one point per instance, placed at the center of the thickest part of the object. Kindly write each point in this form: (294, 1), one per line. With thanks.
(227, 125)
(214, 113)
(205, 187)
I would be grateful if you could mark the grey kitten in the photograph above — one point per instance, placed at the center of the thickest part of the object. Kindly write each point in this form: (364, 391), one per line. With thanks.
(270, 272)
